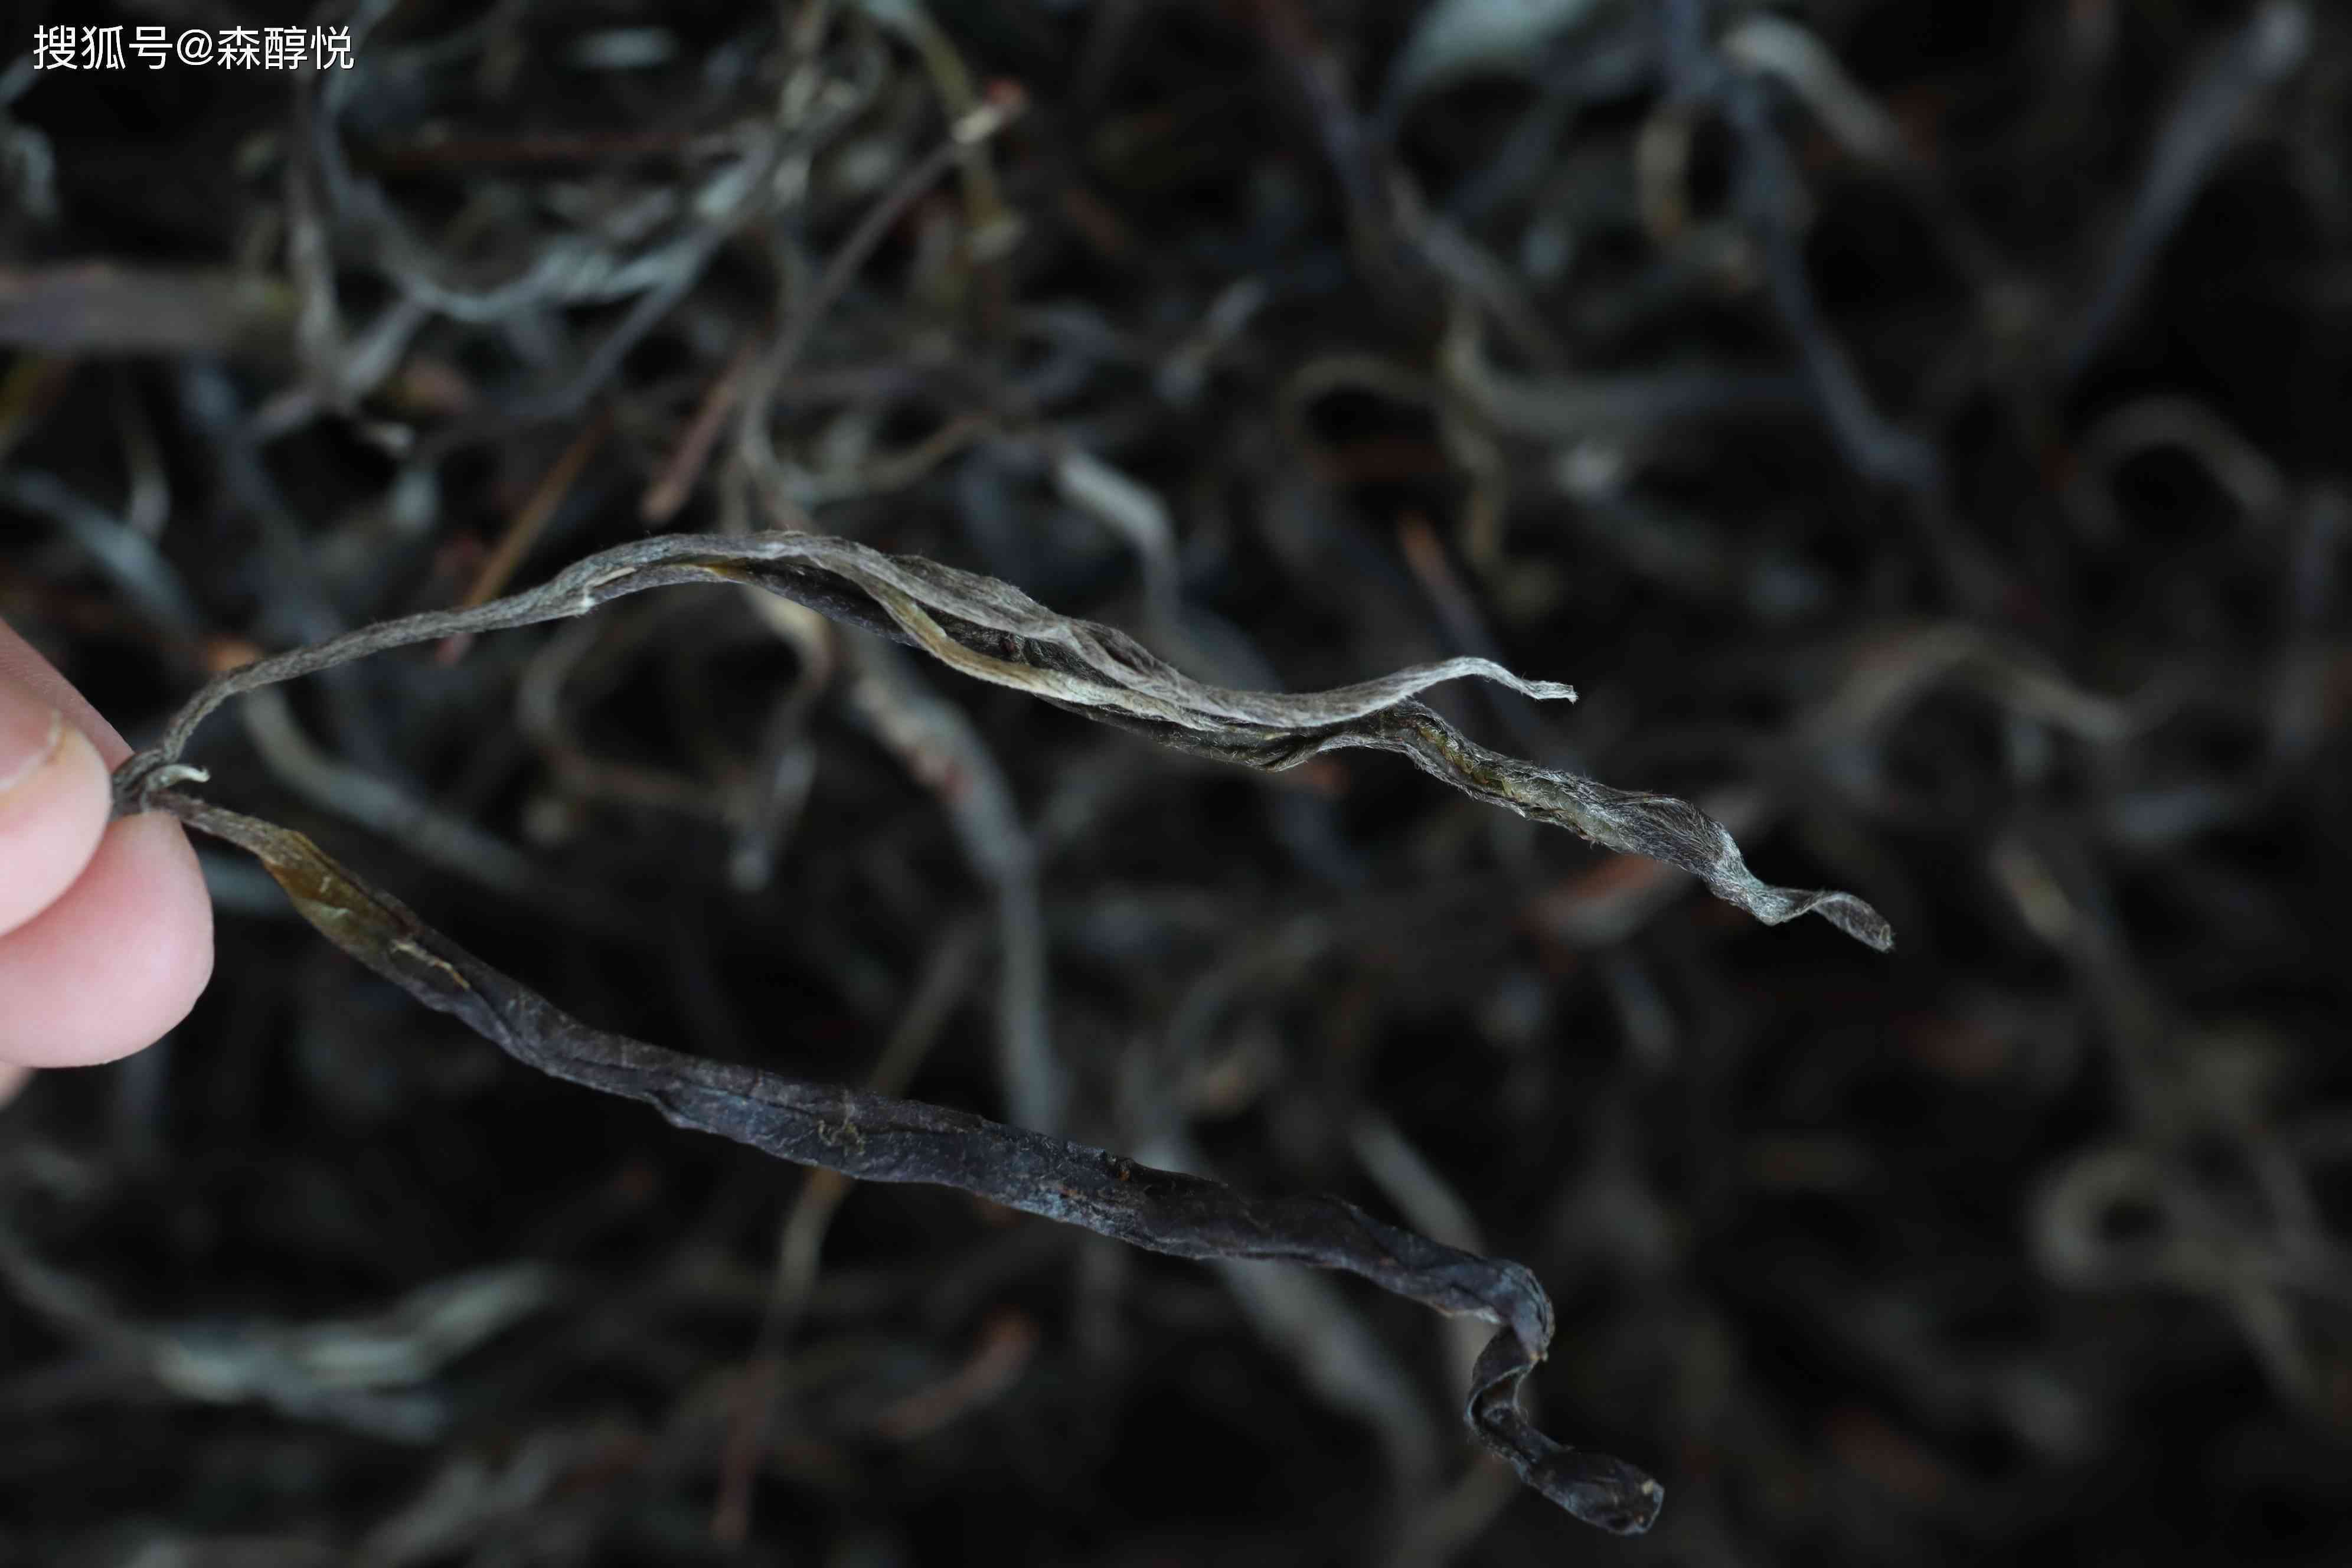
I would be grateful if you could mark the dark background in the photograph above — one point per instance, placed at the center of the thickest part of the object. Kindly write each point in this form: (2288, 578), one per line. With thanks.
(1927, 456)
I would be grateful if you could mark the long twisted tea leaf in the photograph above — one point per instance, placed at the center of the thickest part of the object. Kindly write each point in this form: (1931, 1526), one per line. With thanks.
(995, 633)
(879, 1139)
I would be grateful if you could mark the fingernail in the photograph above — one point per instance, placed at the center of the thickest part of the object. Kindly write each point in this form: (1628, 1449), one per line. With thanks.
(30, 732)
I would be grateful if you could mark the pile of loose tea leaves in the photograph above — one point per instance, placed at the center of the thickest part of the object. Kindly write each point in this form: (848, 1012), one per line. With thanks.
(1876, 461)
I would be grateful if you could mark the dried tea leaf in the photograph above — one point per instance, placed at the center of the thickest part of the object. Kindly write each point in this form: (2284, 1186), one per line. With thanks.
(878, 1138)
(1455, 36)
(993, 632)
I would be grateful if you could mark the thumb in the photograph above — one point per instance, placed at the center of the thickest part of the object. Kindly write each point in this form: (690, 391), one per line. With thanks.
(54, 802)
(106, 936)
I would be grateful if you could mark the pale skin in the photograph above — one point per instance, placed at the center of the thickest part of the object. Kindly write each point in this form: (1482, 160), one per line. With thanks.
(106, 935)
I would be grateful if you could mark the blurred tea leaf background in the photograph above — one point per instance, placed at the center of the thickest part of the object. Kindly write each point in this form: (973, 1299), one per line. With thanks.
(1916, 430)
